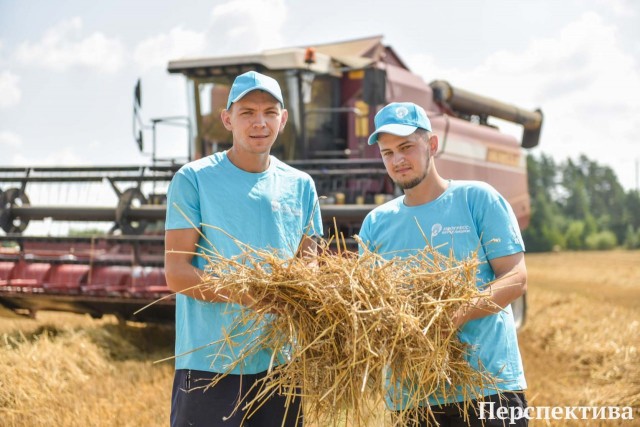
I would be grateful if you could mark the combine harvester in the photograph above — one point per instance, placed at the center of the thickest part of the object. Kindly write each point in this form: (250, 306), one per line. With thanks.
(332, 92)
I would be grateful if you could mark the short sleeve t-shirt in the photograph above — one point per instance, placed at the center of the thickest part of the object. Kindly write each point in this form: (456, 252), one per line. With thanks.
(268, 210)
(468, 218)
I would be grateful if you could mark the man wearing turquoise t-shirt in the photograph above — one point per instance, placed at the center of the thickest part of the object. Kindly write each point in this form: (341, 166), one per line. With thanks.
(250, 195)
(462, 218)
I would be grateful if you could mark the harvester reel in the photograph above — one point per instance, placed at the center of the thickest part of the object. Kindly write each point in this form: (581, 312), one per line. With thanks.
(13, 197)
(131, 197)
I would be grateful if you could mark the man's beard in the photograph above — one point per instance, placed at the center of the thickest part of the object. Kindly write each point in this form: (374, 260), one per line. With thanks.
(407, 185)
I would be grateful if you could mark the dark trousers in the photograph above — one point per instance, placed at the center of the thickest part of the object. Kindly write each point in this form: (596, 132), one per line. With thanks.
(452, 415)
(192, 405)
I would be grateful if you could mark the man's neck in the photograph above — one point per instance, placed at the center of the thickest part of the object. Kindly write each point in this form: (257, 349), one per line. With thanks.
(249, 162)
(427, 191)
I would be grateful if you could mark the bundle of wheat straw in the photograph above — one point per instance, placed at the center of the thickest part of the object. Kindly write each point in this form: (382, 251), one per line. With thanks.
(352, 327)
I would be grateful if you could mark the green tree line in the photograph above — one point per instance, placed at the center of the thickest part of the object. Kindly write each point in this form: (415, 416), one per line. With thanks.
(579, 205)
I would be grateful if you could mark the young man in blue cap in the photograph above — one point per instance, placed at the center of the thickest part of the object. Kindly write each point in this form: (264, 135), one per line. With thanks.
(458, 217)
(261, 202)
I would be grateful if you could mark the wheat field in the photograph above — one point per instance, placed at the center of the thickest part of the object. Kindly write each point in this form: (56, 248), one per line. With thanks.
(580, 347)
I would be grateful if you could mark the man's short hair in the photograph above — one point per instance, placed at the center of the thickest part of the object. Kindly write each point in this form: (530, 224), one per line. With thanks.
(423, 134)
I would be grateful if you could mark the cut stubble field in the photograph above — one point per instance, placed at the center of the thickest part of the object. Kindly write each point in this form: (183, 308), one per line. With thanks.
(581, 343)
(580, 347)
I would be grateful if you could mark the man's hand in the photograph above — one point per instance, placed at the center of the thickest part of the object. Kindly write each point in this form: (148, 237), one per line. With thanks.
(182, 277)
(510, 283)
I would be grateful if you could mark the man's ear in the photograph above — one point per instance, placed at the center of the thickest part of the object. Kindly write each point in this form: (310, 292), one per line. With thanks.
(434, 143)
(225, 116)
(283, 119)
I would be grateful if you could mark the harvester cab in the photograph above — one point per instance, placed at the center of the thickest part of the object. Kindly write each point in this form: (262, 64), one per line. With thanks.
(114, 263)
(332, 92)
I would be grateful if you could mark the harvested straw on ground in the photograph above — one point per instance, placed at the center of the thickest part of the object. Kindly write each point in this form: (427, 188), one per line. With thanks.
(353, 326)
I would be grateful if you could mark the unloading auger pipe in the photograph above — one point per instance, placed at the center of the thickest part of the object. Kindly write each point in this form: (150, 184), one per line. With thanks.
(462, 101)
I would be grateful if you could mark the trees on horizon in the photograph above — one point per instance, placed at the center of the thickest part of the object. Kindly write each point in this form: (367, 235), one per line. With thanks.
(579, 204)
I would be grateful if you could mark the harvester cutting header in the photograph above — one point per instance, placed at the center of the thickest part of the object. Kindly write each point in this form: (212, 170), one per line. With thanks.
(96, 243)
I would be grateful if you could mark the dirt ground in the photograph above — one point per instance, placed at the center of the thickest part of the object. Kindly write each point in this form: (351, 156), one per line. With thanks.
(580, 346)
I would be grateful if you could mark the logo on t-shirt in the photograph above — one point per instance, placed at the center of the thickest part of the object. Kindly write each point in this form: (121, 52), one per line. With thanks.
(449, 229)
(515, 235)
(276, 206)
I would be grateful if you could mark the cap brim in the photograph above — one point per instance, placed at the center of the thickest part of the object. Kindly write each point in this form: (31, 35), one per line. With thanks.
(394, 129)
(239, 97)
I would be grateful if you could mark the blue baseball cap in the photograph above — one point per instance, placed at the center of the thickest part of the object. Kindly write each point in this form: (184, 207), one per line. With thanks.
(250, 81)
(401, 119)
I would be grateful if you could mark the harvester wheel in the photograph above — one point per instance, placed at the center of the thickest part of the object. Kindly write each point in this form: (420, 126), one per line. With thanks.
(13, 197)
(132, 197)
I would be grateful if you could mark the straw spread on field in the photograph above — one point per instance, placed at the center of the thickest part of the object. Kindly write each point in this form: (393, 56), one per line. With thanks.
(347, 331)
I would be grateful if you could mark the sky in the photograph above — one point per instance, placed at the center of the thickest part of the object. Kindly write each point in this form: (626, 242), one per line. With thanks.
(68, 68)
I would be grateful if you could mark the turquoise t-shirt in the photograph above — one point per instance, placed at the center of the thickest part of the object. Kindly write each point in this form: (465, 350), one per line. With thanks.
(468, 217)
(268, 210)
